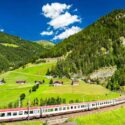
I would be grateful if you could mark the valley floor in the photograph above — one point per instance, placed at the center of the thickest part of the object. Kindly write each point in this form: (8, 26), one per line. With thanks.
(10, 92)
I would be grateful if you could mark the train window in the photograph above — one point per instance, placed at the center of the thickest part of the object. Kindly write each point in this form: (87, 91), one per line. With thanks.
(50, 110)
(9, 114)
(46, 110)
(71, 107)
(82, 106)
(20, 112)
(37, 111)
(2, 114)
(31, 112)
(74, 107)
(64, 108)
(56, 109)
(60, 108)
(26, 112)
(79, 106)
(67, 108)
(15, 113)
(93, 104)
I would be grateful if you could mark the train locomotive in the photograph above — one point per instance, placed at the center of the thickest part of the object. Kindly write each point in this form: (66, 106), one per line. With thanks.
(16, 114)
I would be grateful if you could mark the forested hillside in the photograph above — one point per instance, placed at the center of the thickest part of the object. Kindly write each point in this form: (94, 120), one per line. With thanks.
(15, 52)
(100, 44)
(113, 24)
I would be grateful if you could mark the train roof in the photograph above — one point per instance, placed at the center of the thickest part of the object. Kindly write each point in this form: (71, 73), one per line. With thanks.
(17, 109)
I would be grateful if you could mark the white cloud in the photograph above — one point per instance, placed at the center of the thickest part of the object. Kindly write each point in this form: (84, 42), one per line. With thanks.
(67, 33)
(60, 19)
(54, 10)
(1, 30)
(46, 33)
(64, 20)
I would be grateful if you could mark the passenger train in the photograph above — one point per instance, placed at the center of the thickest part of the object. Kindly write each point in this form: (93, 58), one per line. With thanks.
(46, 111)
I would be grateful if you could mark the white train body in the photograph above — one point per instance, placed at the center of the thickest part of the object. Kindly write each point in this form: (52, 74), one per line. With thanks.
(44, 111)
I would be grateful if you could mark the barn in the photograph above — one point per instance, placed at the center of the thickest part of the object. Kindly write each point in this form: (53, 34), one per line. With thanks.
(21, 82)
(57, 83)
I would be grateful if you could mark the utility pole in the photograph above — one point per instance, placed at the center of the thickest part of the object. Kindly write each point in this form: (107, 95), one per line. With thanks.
(19, 104)
(28, 108)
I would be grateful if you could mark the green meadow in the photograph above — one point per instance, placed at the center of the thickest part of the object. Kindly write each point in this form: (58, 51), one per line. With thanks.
(114, 117)
(10, 92)
(10, 45)
(83, 92)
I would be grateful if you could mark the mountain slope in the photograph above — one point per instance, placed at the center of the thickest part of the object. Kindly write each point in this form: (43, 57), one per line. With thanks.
(100, 44)
(15, 52)
(45, 43)
(111, 23)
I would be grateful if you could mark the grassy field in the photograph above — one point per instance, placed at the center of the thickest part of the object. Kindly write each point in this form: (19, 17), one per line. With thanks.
(10, 92)
(83, 92)
(10, 45)
(115, 117)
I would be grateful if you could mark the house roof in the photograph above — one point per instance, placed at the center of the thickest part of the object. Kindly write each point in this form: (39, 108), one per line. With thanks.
(60, 82)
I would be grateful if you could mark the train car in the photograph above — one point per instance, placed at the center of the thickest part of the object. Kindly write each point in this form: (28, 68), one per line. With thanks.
(119, 100)
(62, 109)
(44, 111)
(19, 114)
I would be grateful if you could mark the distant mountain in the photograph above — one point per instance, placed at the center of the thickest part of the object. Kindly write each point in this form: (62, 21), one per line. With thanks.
(45, 43)
(16, 52)
(101, 44)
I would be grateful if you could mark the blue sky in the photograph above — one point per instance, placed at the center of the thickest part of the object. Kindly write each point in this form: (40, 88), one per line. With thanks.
(52, 19)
